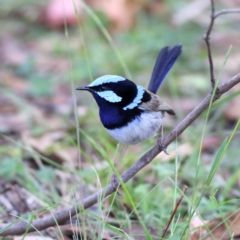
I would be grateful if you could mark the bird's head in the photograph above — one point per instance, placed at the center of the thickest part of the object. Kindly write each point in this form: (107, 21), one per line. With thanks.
(115, 91)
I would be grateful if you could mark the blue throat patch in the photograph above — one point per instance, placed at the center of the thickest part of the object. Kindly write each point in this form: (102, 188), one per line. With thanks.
(106, 79)
(109, 96)
(137, 99)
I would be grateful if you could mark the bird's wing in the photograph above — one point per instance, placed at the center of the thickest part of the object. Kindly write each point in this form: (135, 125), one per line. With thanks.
(156, 105)
(165, 60)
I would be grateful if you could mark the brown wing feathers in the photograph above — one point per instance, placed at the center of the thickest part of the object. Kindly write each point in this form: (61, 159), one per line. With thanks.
(155, 105)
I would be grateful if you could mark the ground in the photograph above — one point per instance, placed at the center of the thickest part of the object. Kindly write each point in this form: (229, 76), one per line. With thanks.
(53, 148)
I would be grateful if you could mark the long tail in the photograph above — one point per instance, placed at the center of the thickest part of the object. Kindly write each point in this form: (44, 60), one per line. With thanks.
(165, 60)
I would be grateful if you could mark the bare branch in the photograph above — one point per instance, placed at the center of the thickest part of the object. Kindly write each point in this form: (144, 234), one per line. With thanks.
(207, 40)
(207, 37)
(226, 11)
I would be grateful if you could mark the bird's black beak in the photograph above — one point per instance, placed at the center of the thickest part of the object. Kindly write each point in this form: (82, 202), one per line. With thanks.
(86, 88)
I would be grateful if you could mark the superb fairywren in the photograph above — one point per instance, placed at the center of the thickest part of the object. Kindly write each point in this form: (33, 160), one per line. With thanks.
(130, 113)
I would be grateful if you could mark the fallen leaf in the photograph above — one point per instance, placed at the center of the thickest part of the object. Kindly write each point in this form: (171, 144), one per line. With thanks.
(44, 142)
(13, 123)
(50, 145)
(197, 222)
(121, 13)
(60, 12)
(69, 154)
(216, 228)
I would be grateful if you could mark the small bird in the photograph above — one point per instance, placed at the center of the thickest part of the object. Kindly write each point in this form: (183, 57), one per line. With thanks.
(131, 113)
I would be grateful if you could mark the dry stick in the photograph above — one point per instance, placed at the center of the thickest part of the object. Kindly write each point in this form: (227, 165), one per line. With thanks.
(207, 40)
(174, 211)
(226, 11)
(61, 216)
(207, 36)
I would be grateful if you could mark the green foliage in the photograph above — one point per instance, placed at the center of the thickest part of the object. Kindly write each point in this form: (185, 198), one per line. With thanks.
(46, 174)
(39, 86)
(11, 167)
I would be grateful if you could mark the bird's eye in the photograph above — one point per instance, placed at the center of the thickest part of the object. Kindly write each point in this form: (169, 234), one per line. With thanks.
(103, 88)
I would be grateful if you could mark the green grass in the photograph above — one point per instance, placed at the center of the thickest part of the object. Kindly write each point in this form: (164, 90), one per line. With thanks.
(147, 200)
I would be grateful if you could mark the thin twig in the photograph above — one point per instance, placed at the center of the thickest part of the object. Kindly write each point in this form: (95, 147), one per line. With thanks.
(207, 37)
(174, 211)
(207, 40)
(226, 11)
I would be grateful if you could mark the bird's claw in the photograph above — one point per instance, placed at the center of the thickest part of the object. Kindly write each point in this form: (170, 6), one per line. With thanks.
(162, 145)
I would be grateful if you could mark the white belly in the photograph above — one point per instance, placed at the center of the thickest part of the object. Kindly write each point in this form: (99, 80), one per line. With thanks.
(142, 128)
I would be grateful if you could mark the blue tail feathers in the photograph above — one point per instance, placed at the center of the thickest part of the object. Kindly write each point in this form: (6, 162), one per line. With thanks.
(165, 60)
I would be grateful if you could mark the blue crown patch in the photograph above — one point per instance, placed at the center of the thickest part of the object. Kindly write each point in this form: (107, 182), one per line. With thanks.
(106, 79)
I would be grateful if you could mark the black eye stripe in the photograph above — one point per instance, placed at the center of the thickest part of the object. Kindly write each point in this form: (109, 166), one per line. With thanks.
(104, 88)
(101, 88)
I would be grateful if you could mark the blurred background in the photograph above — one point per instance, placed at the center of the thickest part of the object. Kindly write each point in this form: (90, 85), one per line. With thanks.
(52, 143)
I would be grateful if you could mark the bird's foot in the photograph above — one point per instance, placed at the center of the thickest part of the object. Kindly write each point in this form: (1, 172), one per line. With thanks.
(162, 145)
(115, 184)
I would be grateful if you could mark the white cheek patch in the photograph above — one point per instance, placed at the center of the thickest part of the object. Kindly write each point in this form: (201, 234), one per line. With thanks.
(137, 99)
(109, 96)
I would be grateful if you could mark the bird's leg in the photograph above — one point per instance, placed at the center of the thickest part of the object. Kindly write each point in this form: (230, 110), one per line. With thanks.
(160, 141)
(114, 180)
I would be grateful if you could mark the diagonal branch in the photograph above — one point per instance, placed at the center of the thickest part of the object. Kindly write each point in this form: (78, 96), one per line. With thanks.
(62, 216)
